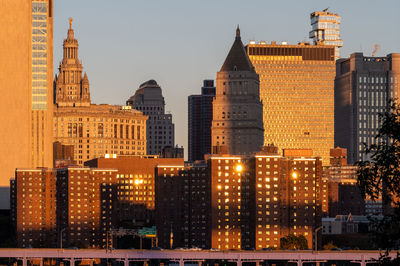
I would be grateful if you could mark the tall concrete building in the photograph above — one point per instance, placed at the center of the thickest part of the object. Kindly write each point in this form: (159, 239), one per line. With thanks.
(200, 120)
(160, 129)
(237, 126)
(26, 70)
(296, 88)
(363, 87)
(325, 29)
(93, 130)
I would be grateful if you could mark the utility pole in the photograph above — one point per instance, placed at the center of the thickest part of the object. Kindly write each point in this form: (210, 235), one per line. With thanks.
(61, 237)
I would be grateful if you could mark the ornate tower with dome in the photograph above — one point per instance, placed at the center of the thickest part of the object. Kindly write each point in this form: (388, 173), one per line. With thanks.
(70, 87)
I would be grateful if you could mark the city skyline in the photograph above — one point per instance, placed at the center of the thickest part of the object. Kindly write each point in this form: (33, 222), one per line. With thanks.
(132, 52)
(92, 155)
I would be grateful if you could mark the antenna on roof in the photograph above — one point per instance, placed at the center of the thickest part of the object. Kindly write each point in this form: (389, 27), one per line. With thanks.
(326, 9)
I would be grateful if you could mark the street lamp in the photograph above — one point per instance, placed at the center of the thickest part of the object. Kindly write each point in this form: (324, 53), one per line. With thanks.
(61, 237)
(239, 168)
(294, 175)
(316, 237)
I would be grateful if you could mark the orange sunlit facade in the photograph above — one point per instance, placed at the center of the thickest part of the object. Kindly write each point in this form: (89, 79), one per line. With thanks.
(296, 89)
(136, 183)
(74, 204)
(227, 177)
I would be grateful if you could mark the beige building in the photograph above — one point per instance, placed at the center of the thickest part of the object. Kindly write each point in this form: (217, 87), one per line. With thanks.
(26, 73)
(296, 88)
(93, 130)
(237, 126)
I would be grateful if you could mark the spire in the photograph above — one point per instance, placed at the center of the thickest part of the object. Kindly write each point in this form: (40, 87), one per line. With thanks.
(237, 32)
(85, 78)
(237, 59)
(70, 31)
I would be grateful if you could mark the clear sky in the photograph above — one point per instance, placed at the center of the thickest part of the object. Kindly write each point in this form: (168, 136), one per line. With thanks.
(123, 43)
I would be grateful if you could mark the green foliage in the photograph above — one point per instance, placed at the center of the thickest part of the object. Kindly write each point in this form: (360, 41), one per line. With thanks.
(294, 242)
(329, 246)
(379, 176)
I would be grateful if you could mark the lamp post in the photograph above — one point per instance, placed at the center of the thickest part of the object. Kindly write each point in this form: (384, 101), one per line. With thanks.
(316, 237)
(61, 237)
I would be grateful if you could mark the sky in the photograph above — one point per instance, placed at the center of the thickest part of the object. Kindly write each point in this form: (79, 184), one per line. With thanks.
(179, 43)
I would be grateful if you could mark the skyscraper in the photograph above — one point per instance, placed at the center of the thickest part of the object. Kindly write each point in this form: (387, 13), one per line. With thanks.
(26, 71)
(325, 29)
(200, 119)
(160, 130)
(296, 88)
(237, 126)
(363, 87)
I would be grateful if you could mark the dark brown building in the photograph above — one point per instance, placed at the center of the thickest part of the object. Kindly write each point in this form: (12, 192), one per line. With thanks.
(34, 194)
(74, 204)
(183, 206)
(245, 201)
(340, 193)
(63, 155)
(136, 184)
(86, 203)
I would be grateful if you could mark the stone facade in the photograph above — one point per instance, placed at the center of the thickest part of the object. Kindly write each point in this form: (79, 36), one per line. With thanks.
(93, 130)
(237, 126)
(363, 87)
(70, 88)
(160, 129)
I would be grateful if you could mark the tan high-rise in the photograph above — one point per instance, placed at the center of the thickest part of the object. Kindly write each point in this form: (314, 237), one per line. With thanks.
(237, 126)
(296, 89)
(26, 71)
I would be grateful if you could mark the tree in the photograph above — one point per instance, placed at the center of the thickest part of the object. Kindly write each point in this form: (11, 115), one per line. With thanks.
(379, 176)
(329, 246)
(294, 242)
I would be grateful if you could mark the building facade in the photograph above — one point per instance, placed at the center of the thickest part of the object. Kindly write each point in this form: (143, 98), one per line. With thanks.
(200, 119)
(26, 72)
(70, 87)
(86, 206)
(363, 88)
(149, 100)
(325, 29)
(183, 206)
(245, 201)
(74, 206)
(34, 203)
(93, 130)
(296, 88)
(136, 184)
(237, 125)
(340, 193)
